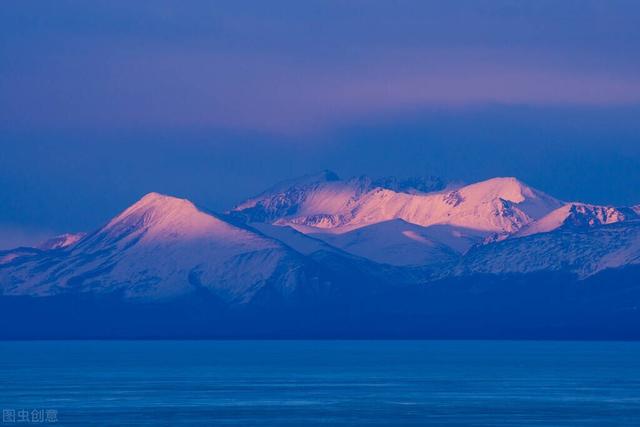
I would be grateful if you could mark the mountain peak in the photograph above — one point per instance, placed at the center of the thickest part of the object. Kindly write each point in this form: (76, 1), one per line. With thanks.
(506, 188)
(154, 198)
(155, 210)
(164, 246)
(534, 203)
(159, 202)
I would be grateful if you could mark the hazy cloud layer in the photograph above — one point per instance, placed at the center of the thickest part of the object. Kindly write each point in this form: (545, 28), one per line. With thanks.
(300, 66)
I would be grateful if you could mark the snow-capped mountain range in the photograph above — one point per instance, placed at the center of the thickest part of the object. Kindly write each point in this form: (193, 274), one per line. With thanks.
(304, 236)
(160, 247)
(412, 227)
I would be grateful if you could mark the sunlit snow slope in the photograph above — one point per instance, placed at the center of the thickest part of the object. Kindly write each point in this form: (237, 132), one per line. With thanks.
(159, 247)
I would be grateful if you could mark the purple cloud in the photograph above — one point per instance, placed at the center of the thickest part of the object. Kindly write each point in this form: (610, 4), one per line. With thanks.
(164, 87)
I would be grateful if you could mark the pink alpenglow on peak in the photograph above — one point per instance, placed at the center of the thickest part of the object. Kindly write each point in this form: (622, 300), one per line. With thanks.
(163, 247)
(157, 213)
(579, 215)
(324, 196)
(158, 218)
(456, 219)
(499, 205)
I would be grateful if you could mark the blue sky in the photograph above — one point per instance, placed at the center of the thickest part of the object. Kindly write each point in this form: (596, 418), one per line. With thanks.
(103, 101)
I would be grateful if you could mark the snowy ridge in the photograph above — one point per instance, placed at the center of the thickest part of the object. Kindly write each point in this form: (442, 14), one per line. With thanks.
(456, 218)
(584, 252)
(502, 205)
(303, 243)
(578, 215)
(394, 242)
(323, 199)
(497, 205)
(160, 247)
(323, 192)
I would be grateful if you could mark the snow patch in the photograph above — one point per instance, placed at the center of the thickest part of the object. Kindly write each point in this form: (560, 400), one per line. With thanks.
(62, 241)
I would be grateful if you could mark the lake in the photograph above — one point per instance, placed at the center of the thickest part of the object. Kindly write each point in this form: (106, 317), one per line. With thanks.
(308, 383)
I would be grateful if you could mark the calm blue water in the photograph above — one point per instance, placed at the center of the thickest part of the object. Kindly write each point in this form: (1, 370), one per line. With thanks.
(307, 383)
